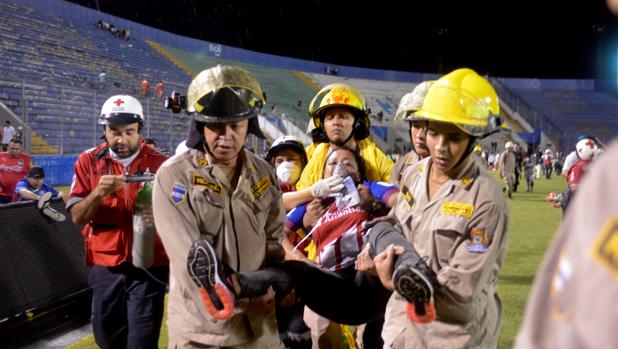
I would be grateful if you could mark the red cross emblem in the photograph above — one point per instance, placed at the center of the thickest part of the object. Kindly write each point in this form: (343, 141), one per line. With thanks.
(118, 102)
(591, 144)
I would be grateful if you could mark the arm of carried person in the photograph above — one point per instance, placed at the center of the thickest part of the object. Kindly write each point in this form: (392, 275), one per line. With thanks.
(474, 262)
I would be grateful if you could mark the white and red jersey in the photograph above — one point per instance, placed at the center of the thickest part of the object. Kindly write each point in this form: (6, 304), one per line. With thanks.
(109, 235)
(12, 170)
(577, 172)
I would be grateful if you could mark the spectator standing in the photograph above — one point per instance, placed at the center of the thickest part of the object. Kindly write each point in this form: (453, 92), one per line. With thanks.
(8, 132)
(145, 87)
(127, 302)
(102, 78)
(159, 89)
(14, 165)
(519, 157)
(507, 168)
(33, 187)
(528, 169)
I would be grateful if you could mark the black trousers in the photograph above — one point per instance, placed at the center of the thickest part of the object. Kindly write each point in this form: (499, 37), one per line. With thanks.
(345, 296)
(127, 305)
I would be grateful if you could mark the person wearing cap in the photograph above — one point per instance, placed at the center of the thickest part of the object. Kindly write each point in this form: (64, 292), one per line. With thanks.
(506, 164)
(127, 302)
(339, 114)
(455, 216)
(410, 103)
(220, 192)
(33, 187)
(14, 165)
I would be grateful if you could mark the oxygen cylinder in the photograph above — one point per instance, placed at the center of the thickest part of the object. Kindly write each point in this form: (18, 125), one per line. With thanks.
(143, 233)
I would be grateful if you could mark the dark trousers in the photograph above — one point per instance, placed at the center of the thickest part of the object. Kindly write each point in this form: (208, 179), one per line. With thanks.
(5, 199)
(345, 296)
(127, 305)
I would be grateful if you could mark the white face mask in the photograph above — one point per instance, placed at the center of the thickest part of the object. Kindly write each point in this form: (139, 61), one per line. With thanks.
(288, 172)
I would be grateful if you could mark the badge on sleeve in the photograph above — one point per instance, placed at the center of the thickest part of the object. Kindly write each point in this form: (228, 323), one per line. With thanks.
(407, 195)
(178, 194)
(478, 241)
(605, 247)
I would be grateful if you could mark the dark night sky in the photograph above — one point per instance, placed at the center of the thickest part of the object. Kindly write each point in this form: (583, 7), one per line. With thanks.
(541, 38)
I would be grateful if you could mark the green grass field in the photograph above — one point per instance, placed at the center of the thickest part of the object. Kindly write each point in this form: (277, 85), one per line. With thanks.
(533, 224)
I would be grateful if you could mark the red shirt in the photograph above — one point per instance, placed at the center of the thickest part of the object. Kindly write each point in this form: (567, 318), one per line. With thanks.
(577, 172)
(12, 170)
(109, 236)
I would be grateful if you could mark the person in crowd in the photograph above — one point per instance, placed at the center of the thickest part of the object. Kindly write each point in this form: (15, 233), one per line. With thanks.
(528, 166)
(217, 190)
(287, 155)
(145, 87)
(159, 89)
(507, 164)
(571, 304)
(340, 118)
(518, 162)
(478, 152)
(338, 237)
(8, 133)
(127, 302)
(547, 159)
(14, 165)
(410, 103)
(101, 79)
(587, 150)
(33, 187)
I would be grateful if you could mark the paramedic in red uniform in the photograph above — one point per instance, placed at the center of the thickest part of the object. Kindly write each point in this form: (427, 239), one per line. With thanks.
(14, 166)
(127, 302)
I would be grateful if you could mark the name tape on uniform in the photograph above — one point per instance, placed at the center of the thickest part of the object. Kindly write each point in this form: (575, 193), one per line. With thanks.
(453, 208)
(199, 180)
(260, 187)
(407, 195)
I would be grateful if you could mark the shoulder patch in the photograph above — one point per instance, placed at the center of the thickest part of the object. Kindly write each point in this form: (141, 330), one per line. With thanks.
(407, 195)
(421, 168)
(178, 193)
(453, 208)
(201, 161)
(199, 180)
(605, 247)
(260, 187)
(409, 160)
(478, 241)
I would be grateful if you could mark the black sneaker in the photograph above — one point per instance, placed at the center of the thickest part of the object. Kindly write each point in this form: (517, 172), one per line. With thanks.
(213, 278)
(415, 284)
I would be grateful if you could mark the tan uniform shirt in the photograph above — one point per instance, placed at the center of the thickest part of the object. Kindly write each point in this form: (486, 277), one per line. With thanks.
(507, 163)
(573, 300)
(402, 164)
(463, 232)
(192, 200)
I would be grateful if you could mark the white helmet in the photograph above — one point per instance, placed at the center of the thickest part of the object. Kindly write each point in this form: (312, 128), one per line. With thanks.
(586, 149)
(412, 102)
(508, 145)
(121, 110)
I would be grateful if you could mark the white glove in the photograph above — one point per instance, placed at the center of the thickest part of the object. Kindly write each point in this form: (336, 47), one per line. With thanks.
(327, 187)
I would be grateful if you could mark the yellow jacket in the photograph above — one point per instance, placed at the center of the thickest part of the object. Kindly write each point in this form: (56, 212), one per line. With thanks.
(378, 165)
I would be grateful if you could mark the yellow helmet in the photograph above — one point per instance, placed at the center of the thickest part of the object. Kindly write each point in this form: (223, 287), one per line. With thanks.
(465, 99)
(224, 94)
(411, 102)
(343, 96)
(337, 95)
(477, 148)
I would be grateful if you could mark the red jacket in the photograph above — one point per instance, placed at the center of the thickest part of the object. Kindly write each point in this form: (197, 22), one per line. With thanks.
(109, 235)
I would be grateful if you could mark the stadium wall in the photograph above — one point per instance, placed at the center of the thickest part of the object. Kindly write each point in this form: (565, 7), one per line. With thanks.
(58, 168)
